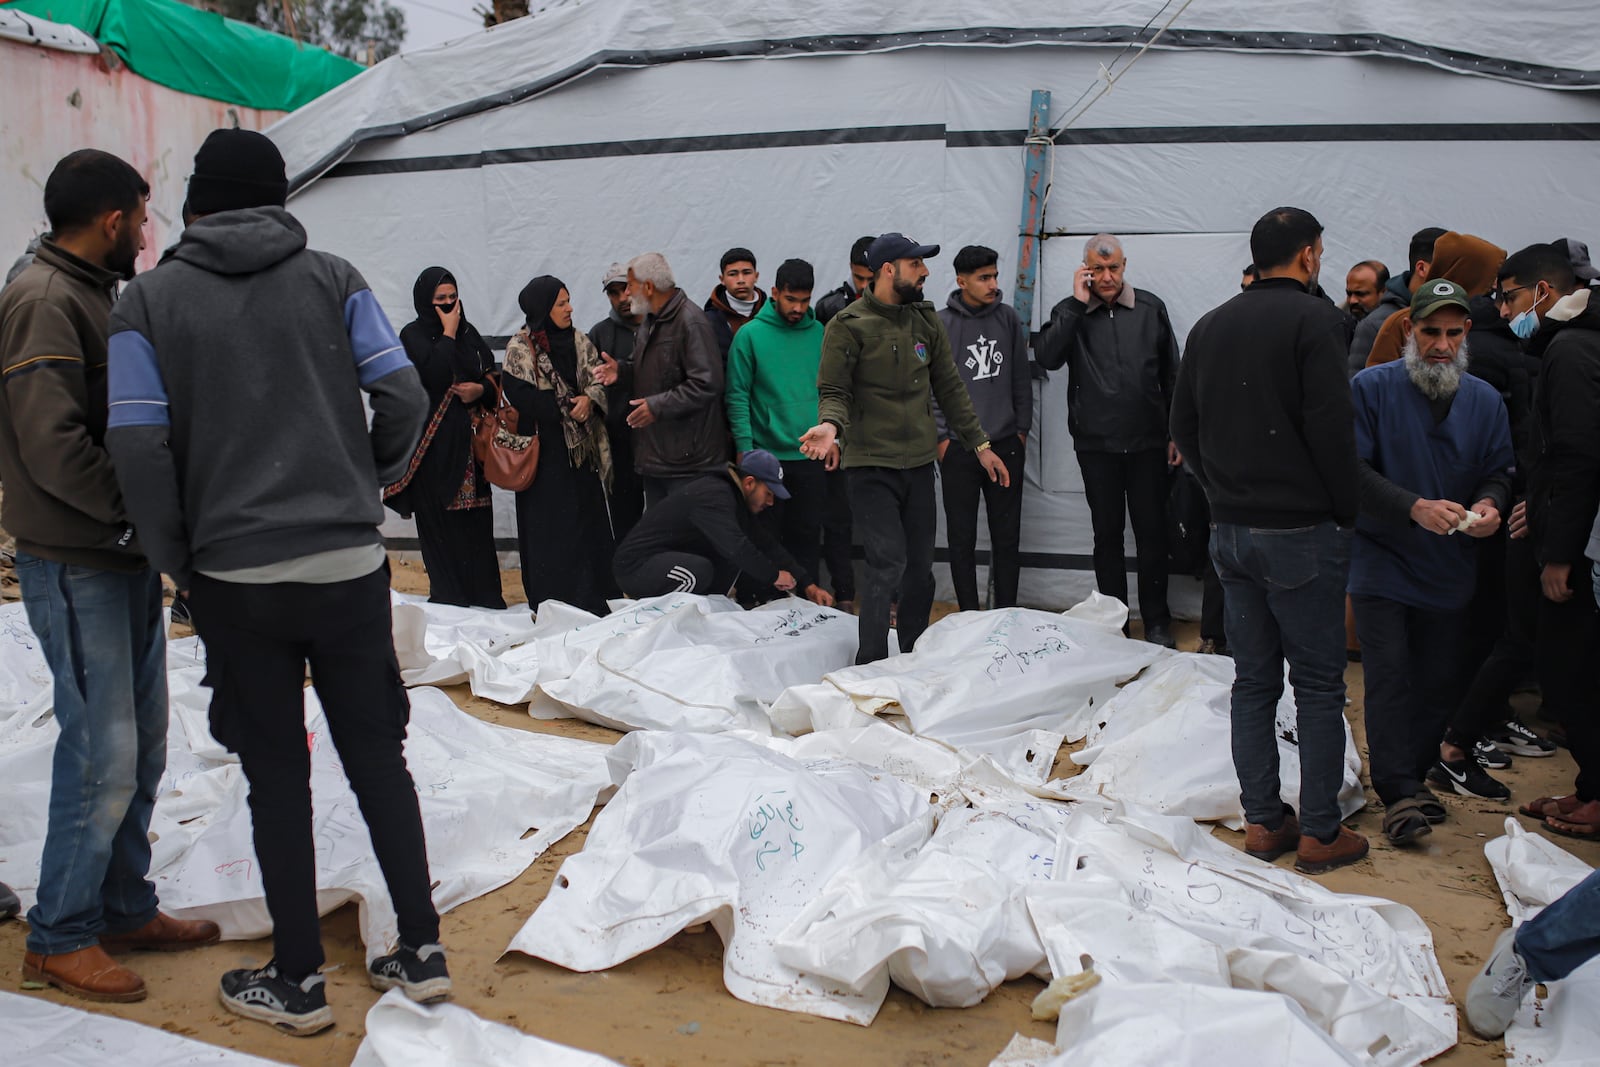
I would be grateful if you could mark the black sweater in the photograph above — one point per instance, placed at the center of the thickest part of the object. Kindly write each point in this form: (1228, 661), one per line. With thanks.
(709, 517)
(1261, 411)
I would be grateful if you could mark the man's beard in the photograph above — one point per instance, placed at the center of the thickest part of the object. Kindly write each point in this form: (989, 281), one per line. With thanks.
(1436, 380)
(908, 291)
(124, 259)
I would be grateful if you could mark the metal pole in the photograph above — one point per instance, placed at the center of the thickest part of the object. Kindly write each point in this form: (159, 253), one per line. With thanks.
(1035, 184)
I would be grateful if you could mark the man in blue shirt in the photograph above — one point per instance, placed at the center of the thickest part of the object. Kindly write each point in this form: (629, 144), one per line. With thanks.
(1434, 446)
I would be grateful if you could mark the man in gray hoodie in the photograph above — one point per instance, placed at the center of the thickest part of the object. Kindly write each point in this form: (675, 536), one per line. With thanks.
(990, 347)
(243, 451)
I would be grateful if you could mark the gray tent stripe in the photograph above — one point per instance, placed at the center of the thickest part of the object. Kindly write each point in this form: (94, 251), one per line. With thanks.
(1296, 134)
(1345, 44)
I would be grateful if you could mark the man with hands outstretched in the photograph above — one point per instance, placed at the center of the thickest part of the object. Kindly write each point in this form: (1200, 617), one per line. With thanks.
(885, 359)
(1428, 436)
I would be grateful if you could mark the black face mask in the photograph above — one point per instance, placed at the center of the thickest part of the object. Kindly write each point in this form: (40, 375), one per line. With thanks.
(445, 309)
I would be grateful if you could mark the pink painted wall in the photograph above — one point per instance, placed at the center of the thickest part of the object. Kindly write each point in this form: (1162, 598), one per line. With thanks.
(52, 103)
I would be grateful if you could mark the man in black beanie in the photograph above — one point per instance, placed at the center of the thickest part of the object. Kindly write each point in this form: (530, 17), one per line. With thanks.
(244, 454)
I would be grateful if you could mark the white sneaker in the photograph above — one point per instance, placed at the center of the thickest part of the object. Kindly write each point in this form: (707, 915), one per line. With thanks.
(1496, 991)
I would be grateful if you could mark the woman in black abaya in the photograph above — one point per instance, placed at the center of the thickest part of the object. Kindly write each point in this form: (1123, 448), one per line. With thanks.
(443, 488)
(563, 529)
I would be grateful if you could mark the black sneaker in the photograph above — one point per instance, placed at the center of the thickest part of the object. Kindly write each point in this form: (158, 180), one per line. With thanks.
(1487, 753)
(1517, 739)
(9, 904)
(419, 972)
(180, 611)
(299, 1008)
(1468, 779)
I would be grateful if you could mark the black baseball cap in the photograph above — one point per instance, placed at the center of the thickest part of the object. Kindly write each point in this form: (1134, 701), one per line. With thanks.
(893, 246)
(763, 465)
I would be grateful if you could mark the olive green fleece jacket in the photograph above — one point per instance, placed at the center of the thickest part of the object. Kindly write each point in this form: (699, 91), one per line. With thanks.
(883, 365)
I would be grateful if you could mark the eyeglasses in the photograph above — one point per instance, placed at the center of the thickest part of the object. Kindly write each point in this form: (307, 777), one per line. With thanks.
(1504, 295)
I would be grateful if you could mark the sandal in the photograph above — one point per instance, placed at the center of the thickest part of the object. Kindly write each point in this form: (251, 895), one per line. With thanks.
(1404, 821)
(1432, 808)
(1582, 822)
(1545, 807)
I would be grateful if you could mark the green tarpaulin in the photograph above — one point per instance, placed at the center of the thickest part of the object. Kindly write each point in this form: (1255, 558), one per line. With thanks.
(202, 53)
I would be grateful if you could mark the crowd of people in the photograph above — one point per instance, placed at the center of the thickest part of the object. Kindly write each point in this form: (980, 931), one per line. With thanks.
(1348, 463)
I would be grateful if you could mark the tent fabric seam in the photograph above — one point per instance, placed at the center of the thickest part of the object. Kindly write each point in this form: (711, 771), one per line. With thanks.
(1473, 132)
(1217, 40)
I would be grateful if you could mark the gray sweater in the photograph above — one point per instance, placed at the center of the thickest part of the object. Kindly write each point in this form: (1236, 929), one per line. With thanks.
(237, 428)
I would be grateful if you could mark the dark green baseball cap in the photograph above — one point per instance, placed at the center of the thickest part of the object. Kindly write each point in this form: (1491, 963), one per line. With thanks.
(1433, 295)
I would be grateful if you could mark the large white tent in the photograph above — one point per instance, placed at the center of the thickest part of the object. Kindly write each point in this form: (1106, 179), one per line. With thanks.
(598, 129)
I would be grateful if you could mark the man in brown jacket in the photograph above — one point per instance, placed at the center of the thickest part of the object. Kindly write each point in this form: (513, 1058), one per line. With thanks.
(679, 430)
(91, 598)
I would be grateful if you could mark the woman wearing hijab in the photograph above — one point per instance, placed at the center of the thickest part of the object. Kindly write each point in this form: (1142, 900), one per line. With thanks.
(443, 487)
(563, 529)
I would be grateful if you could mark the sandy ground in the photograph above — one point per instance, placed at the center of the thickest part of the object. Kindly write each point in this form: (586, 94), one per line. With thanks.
(669, 1008)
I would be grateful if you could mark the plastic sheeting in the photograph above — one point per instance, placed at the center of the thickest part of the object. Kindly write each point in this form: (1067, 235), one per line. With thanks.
(1009, 684)
(38, 1033)
(401, 1033)
(577, 38)
(493, 799)
(200, 52)
(1558, 1030)
(1156, 898)
(1158, 1022)
(718, 829)
(691, 663)
(1165, 742)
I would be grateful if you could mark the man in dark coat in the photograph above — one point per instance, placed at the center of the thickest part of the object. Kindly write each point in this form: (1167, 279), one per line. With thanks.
(1121, 358)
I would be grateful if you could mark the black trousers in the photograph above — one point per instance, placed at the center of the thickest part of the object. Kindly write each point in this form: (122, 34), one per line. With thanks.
(838, 537)
(1413, 664)
(1513, 656)
(893, 511)
(964, 481)
(258, 640)
(797, 523)
(657, 488)
(1569, 641)
(1137, 482)
(676, 572)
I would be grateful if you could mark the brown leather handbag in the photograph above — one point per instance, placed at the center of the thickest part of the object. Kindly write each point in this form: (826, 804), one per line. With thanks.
(509, 459)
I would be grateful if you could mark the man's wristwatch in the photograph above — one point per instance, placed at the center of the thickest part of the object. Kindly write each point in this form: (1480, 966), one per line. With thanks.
(984, 447)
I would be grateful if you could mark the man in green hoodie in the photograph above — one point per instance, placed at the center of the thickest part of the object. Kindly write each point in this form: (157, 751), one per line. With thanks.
(772, 400)
(885, 359)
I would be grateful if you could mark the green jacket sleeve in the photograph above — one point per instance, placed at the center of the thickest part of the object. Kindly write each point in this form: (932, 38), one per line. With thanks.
(741, 374)
(836, 376)
(951, 392)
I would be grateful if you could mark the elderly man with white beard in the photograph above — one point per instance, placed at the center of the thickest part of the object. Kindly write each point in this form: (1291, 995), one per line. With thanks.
(1434, 445)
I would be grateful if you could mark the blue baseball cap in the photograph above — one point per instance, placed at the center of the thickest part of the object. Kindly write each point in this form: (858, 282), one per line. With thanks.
(759, 463)
(893, 246)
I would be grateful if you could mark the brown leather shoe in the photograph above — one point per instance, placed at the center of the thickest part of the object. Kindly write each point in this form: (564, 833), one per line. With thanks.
(1268, 845)
(1313, 857)
(164, 934)
(88, 973)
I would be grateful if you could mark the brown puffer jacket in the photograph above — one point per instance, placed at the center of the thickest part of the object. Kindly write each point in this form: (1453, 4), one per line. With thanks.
(677, 369)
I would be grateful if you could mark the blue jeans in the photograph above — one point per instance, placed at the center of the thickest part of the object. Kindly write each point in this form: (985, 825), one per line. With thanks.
(102, 635)
(1283, 594)
(1564, 936)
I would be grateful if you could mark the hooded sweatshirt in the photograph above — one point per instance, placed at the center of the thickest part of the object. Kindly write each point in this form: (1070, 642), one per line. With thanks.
(237, 426)
(1564, 484)
(726, 320)
(772, 382)
(1470, 262)
(991, 353)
